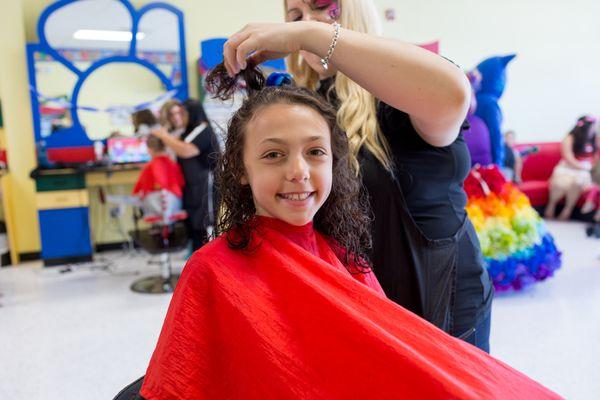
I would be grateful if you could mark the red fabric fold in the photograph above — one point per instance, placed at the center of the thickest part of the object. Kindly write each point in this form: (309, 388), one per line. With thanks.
(281, 322)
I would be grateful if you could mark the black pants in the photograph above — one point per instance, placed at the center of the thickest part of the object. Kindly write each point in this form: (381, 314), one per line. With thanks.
(479, 335)
(474, 294)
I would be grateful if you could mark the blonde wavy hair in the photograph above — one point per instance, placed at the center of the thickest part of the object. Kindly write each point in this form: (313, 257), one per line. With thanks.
(164, 114)
(357, 112)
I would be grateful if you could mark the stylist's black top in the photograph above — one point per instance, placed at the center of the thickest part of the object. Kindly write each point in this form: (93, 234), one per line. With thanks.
(431, 177)
(421, 202)
(198, 194)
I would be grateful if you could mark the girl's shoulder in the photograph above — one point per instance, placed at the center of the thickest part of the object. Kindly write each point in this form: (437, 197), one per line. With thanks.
(217, 250)
(218, 255)
(207, 265)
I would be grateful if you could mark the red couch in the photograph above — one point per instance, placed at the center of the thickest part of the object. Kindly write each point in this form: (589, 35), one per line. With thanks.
(537, 169)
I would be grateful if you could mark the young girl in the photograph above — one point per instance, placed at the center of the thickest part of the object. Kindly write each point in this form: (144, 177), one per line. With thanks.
(283, 304)
(403, 109)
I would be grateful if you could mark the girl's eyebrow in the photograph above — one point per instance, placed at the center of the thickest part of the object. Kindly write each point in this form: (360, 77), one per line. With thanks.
(281, 141)
(313, 139)
(273, 140)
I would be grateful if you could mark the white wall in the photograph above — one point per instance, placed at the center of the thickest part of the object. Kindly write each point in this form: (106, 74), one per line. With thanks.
(556, 75)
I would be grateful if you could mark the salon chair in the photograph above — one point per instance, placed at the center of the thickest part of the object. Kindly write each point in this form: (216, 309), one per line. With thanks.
(167, 234)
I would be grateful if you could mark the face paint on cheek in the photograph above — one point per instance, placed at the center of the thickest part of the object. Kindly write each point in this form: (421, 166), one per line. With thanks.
(333, 9)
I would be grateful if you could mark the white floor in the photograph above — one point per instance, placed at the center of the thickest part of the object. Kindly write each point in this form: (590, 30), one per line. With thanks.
(84, 334)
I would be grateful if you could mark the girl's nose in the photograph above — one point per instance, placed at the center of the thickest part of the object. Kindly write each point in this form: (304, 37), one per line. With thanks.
(298, 170)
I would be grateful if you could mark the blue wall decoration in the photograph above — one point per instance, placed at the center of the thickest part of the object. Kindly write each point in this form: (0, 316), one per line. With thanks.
(75, 135)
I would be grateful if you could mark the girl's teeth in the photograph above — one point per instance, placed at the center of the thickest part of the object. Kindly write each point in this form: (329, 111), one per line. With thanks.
(296, 197)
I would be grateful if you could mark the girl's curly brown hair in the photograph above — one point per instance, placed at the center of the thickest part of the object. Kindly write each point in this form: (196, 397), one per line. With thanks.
(344, 215)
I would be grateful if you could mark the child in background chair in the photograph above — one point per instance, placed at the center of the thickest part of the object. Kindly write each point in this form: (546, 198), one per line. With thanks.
(161, 182)
(144, 121)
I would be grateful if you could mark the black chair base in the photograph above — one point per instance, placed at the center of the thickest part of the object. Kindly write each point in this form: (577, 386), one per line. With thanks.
(155, 284)
(153, 242)
(131, 391)
(151, 239)
(593, 230)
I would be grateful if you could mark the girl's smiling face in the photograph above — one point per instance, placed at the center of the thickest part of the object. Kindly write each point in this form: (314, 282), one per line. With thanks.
(288, 162)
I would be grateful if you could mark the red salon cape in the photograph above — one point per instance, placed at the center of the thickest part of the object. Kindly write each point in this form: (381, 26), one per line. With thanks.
(288, 321)
(160, 173)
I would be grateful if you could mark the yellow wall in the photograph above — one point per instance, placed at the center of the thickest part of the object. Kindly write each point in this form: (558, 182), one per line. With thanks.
(18, 127)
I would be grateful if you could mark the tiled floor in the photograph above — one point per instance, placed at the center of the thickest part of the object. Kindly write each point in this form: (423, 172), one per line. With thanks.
(84, 334)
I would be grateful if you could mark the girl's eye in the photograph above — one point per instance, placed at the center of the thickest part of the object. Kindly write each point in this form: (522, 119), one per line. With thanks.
(272, 155)
(298, 18)
(317, 152)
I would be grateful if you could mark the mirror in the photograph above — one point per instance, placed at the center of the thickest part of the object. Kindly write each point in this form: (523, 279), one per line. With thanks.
(93, 25)
(116, 88)
(161, 43)
(97, 62)
(55, 102)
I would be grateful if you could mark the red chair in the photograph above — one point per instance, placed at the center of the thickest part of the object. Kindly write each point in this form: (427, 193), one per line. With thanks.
(537, 169)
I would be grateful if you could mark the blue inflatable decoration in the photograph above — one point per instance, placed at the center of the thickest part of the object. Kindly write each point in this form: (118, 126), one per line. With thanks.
(493, 73)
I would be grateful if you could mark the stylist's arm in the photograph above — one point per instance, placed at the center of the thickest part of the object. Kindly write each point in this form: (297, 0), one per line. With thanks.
(181, 148)
(430, 89)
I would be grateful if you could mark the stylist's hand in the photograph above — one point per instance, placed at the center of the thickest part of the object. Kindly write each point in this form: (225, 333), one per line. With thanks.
(263, 41)
(159, 132)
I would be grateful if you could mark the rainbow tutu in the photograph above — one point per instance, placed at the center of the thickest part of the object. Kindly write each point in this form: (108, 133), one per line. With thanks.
(517, 248)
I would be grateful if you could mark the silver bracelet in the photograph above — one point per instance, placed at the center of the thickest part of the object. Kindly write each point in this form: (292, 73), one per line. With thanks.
(336, 35)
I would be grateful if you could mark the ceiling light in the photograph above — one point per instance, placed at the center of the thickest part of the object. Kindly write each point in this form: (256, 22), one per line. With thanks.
(104, 35)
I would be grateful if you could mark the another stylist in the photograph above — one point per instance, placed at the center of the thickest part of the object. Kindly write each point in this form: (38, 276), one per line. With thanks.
(187, 133)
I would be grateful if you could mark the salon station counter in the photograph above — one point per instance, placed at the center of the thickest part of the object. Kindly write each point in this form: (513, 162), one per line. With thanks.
(63, 202)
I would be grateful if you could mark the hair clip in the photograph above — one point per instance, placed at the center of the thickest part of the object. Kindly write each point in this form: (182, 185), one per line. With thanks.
(279, 79)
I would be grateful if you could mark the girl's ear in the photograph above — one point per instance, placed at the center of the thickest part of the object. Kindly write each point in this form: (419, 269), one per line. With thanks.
(244, 180)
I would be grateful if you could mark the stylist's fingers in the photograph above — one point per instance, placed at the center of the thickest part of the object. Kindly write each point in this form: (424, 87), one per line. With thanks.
(230, 49)
(229, 58)
(261, 56)
(247, 47)
(158, 132)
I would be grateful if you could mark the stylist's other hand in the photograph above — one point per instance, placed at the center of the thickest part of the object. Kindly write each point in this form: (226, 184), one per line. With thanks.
(159, 132)
(261, 42)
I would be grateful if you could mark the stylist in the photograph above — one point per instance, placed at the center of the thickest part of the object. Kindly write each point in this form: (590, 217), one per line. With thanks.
(187, 133)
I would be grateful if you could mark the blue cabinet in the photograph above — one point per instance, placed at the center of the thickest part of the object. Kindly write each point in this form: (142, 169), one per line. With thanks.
(65, 235)
(63, 214)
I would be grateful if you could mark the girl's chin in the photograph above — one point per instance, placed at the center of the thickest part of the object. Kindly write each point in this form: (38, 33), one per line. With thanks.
(298, 221)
